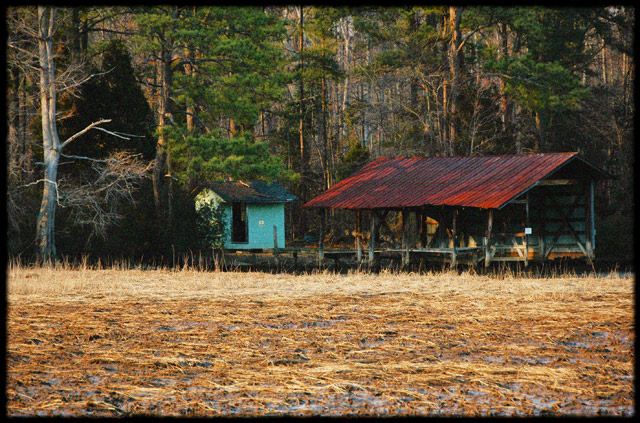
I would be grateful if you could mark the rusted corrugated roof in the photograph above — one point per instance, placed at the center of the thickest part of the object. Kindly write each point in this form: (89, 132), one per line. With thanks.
(473, 181)
(252, 192)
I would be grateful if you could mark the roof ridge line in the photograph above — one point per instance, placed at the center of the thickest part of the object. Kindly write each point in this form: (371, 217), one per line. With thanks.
(477, 155)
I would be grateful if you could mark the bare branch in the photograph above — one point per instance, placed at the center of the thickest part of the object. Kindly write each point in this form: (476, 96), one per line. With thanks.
(97, 204)
(88, 128)
(71, 156)
(115, 134)
(55, 184)
(76, 84)
(468, 35)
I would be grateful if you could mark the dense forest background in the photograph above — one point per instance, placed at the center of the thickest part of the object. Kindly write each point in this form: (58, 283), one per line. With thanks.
(153, 102)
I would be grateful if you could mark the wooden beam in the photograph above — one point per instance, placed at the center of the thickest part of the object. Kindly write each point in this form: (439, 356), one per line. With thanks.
(405, 237)
(321, 240)
(487, 252)
(590, 221)
(358, 236)
(422, 221)
(554, 182)
(442, 227)
(454, 263)
(542, 221)
(593, 221)
(372, 237)
(526, 235)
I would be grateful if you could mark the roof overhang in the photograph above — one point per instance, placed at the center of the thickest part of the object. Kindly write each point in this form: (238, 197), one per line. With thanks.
(574, 169)
(486, 182)
(251, 192)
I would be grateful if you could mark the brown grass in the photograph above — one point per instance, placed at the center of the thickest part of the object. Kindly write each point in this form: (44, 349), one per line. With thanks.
(189, 343)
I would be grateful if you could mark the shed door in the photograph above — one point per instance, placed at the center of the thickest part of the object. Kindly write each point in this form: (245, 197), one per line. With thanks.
(239, 223)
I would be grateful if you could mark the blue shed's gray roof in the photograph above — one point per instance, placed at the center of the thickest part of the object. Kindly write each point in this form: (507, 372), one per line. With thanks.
(251, 192)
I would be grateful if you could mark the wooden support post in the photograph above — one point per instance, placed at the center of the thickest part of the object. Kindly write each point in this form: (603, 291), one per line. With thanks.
(423, 228)
(405, 238)
(321, 240)
(590, 220)
(526, 235)
(487, 251)
(275, 245)
(372, 237)
(454, 253)
(410, 228)
(542, 222)
(358, 236)
(443, 228)
(593, 217)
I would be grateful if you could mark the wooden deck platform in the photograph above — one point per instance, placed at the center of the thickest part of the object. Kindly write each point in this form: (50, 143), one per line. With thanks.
(461, 255)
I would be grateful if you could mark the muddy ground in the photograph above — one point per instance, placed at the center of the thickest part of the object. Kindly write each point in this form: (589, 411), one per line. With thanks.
(441, 353)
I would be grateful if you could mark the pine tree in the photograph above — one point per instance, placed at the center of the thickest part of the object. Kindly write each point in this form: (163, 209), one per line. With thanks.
(543, 76)
(228, 73)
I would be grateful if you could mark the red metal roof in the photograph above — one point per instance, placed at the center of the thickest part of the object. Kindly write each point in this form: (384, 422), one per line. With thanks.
(473, 181)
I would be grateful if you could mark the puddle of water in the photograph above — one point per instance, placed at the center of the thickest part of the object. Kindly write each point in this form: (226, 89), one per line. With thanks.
(474, 393)
(191, 363)
(370, 343)
(94, 379)
(575, 344)
(493, 359)
(162, 381)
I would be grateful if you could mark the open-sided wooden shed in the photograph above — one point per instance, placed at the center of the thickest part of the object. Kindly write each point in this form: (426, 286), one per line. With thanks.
(518, 207)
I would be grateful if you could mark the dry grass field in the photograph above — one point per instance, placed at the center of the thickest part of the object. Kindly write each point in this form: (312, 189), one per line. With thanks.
(110, 343)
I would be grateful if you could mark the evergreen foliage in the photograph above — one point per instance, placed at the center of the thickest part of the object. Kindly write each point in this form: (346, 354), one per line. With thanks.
(211, 227)
(207, 93)
(209, 158)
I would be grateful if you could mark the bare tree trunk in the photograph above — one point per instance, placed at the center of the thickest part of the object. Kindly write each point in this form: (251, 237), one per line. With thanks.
(14, 141)
(367, 101)
(161, 193)
(604, 64)
(455, 14)
(303, 152)
(303, 165)
(443, 122)
(539, 135)
(413, 84)
(505, 105)
(232, 128)
(24, 134)
(345, 94)
(191, 71)
(323, 126)
(45, 230)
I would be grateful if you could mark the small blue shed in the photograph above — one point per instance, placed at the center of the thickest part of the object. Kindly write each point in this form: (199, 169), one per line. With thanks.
(251, 210)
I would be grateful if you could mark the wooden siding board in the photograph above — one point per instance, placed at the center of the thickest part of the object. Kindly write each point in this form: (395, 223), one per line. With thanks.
(259, 237)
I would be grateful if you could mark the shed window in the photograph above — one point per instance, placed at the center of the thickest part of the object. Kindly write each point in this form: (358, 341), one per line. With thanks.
(239, 223)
